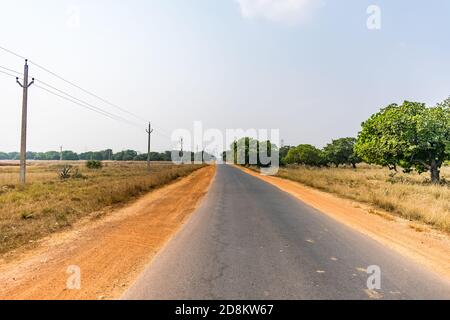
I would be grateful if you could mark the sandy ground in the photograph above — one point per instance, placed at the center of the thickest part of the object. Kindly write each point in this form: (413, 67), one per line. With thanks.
(427, 246)
(110, 252)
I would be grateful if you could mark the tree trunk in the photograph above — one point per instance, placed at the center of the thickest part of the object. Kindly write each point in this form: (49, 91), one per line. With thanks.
(354, 165)
(435, 174)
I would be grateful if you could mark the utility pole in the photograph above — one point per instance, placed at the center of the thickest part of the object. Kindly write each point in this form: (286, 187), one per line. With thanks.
(60, 154)
(149, 131)
(23, 138)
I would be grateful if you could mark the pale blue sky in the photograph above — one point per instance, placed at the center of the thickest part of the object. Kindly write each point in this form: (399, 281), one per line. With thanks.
(314, 72)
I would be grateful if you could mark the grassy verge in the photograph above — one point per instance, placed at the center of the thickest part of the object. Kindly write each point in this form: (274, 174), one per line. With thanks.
(408, 195)
(49, 204)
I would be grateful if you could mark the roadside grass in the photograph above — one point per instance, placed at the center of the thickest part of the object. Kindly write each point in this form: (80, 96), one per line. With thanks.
(48, 204)
(411, 196)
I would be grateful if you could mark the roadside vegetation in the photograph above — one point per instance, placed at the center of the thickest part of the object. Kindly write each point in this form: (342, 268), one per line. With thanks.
(104, 155)
(385, 165)
(411, 196)
(57, 195)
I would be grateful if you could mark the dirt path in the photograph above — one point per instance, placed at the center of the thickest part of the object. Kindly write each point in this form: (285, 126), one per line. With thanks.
(427, 246)
(110, 252)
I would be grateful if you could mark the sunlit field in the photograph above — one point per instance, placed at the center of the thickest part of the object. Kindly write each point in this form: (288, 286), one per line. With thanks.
(408, 195)
(49, 203)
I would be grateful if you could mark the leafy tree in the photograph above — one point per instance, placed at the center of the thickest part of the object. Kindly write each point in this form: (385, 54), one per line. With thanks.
(305, 154)
(13, 156)
(283, 154)
(52, 155)
(30, 155)
(4, 156)
(248, 151)
(410, 135)
(70, 155)
(445, 104)
(127, 155)
(341, 151)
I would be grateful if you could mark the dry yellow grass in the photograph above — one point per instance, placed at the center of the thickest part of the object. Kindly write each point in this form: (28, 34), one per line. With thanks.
(48, 204)
(408, 195)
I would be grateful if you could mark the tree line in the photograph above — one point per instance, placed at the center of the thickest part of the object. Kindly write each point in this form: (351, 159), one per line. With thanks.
(410, 136)
(104, 155)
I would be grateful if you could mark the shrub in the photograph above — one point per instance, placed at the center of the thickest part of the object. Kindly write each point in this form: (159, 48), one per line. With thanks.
(94, 164)
(64, 174)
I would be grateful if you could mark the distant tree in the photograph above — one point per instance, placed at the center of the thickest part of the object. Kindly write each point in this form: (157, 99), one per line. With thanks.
(13, 156)
(70, 155)
(410, 135)
(341, 152)
(127, 155)
(52, 155)
(4, 156)
(305, 154)
(30, 155)
(249, 151)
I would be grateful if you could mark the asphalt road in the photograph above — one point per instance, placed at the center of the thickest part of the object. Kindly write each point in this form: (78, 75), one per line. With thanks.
(249, 240)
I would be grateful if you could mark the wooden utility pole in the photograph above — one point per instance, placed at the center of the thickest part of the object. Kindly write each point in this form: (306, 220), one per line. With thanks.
(60, 154)
(149, 131)
(23, 138)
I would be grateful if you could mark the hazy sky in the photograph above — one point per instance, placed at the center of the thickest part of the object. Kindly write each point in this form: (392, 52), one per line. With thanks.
(310, 68)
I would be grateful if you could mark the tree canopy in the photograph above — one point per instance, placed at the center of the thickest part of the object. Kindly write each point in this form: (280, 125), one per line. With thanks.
(410, 135)
(341, 152)
(305, 154)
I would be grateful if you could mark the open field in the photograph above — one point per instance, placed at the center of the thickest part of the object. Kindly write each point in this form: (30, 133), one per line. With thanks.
(110, 252)
(408, 195)
(49, 204)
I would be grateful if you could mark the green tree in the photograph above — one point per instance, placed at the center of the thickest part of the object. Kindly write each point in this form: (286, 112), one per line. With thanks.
(410, 135)
(51, 155)
(305, 154)
(341, 151)
(283, 154)
(13, 156)
(30, 155)
(249, 151)
(127, 155)
(70, 155)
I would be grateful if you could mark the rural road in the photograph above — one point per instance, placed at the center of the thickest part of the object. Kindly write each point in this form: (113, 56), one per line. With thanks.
(249, 240)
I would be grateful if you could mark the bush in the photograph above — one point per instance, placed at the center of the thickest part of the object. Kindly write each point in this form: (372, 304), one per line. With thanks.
(94, 164)
(65, 172)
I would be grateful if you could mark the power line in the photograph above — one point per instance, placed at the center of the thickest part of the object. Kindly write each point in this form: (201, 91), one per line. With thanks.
(13, 53)
(86, 91)
(74, 85)
(116, 117)
(11, 70)
(101, 111)
(9, 74)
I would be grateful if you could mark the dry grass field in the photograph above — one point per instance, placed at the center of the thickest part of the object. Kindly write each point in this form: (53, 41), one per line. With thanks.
(408, 195)
(49, 204)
